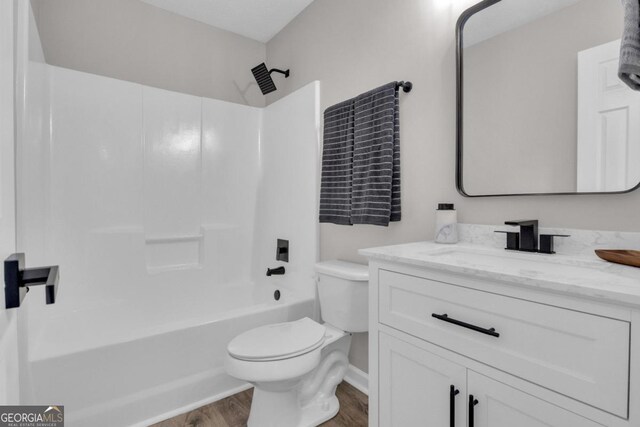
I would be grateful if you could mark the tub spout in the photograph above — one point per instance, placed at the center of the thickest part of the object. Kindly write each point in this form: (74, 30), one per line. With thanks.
(275, 271)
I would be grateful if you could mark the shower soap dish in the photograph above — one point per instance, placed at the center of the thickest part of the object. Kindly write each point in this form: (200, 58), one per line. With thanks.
(626, 257)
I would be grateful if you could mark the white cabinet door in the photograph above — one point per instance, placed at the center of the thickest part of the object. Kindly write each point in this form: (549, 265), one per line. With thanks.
(500, 405)
(415, 386)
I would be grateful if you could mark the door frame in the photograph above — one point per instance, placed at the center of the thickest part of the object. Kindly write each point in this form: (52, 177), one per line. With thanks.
(9, 366)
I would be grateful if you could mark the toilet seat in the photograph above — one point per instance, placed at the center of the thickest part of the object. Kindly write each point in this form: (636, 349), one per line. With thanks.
(278, 341)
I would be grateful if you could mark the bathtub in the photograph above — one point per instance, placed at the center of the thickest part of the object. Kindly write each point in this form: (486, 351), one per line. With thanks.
(114, 364)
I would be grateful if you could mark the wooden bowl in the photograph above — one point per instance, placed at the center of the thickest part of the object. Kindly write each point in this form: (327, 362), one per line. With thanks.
(626, 257)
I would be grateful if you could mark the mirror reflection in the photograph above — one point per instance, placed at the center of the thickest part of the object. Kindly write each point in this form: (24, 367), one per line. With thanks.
(543, 109)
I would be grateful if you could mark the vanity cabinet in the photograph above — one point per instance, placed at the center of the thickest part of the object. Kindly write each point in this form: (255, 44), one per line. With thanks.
(529, 357)
(578, 354)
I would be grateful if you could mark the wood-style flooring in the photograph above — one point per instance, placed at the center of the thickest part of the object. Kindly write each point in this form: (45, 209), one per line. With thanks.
(234, 411)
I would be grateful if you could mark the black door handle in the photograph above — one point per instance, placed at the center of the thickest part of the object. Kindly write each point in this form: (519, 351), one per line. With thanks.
(17, 280)
(453, 392)
(446, 318)
(472, 403)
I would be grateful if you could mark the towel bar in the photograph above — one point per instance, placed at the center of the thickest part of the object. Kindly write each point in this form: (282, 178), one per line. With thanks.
(406, 86)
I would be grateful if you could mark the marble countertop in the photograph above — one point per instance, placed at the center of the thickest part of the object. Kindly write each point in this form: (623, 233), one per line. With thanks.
(584, 275)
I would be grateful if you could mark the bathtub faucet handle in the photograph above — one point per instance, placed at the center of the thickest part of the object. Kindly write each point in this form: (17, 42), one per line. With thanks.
(278, 271)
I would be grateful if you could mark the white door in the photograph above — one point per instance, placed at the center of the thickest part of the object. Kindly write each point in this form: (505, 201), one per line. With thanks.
(8, 318)
(415, 386)
(500, 405)
(608, 123)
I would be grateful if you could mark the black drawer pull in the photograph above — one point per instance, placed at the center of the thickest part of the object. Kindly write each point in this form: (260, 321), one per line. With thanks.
(446, 318)
(453, 392)
(472, 404)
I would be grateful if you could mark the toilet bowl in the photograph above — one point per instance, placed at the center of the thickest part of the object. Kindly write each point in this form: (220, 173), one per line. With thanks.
(296, 366)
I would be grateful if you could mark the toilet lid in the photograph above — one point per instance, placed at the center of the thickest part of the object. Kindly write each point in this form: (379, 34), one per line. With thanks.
(278, 341)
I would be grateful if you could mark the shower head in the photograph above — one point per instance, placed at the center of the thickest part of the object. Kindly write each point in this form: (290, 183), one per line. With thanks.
(263, 77)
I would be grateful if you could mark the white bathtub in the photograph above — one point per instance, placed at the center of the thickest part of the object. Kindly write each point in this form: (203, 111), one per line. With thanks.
(116, 365)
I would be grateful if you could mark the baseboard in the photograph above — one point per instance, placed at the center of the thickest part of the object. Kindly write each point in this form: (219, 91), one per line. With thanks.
(358, 379)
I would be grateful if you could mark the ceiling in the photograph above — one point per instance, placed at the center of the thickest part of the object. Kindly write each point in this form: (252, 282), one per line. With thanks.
(257, 19)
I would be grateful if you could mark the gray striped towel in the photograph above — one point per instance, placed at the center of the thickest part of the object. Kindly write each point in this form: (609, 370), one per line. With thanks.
(337, 164)
(376, 157)
(629, 71)
(361, 160)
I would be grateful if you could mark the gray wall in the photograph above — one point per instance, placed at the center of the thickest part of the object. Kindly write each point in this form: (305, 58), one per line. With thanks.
(526, 142)
(131, 40)
(351, 46)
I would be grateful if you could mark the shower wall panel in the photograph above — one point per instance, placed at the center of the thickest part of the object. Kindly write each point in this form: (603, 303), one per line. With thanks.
(172, 163)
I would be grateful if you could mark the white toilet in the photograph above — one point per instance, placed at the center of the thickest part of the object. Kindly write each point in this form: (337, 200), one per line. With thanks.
(296, 366)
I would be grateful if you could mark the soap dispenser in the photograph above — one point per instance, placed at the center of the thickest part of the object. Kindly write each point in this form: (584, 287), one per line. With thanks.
(446, 224)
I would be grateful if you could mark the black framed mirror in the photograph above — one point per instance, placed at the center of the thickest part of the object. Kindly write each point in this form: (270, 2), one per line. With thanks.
(540, 108)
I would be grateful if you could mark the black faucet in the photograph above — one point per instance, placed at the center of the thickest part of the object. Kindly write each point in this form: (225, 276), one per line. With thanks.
(278, 271)
(528, 234)
(527, 239)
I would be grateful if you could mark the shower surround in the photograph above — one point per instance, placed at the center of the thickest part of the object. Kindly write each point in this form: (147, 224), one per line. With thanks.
(162, 210)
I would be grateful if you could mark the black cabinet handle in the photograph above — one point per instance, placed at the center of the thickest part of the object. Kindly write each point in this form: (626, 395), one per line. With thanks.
(453, 392)
(472, 403)
(446, 318)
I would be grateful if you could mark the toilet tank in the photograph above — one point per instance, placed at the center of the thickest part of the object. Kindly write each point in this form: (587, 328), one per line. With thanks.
(343, 289)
